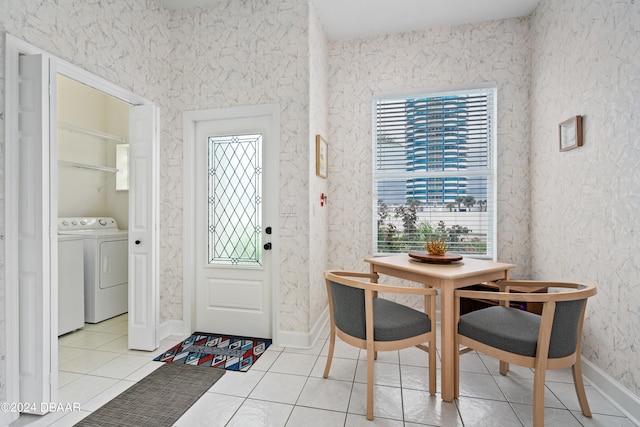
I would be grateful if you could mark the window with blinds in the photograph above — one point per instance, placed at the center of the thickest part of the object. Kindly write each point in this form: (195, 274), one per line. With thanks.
(434, 172)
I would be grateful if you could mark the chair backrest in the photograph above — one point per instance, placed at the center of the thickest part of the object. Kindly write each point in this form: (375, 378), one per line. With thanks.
(567, 322)
(565, 329)
(348, 306)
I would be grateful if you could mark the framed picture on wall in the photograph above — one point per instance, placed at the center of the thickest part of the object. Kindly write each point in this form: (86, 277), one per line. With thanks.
(322, 149)
(571, 133)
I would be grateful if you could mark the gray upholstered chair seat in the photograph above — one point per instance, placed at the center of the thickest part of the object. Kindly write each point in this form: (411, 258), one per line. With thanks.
(393, 321)
(508, 329)
(516, 331)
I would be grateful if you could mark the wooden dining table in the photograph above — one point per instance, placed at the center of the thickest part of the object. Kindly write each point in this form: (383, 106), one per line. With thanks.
(447, 278)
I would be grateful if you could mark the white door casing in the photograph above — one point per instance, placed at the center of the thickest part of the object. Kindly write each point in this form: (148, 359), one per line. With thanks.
(236, 298)
(143, 233)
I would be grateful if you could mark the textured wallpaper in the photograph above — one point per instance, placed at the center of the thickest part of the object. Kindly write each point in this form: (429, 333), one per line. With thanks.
(244, 53)
(586, 202)
(445, 58)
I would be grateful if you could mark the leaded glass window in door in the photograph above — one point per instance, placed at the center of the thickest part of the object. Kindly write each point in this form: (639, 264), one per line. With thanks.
(235, 200)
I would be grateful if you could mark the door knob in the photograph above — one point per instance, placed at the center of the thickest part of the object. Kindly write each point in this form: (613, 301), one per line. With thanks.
(138, 242)
(267, 246)
(268, 230)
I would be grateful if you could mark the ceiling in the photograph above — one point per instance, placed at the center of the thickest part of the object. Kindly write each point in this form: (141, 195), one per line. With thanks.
(352, 19)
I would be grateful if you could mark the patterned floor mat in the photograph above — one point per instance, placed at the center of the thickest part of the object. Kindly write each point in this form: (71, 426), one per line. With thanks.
(216, 350)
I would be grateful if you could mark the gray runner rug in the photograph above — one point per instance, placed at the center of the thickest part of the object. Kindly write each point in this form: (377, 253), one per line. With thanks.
(157, 400)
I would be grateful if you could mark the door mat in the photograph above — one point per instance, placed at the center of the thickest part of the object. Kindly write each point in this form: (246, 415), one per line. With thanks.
(218, 351)
(159, 399)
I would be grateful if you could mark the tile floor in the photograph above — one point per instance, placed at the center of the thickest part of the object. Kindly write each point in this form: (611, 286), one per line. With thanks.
(285, 388)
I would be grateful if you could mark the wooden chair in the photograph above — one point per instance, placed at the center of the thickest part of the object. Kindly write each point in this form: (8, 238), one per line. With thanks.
(548, 341)
(360, 318)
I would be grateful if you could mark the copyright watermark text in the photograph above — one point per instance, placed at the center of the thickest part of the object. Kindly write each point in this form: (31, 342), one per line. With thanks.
(32, 407)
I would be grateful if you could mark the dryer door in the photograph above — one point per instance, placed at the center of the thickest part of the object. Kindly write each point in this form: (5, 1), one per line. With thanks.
(114, 263)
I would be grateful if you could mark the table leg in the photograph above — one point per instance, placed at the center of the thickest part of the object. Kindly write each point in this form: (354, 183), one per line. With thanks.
(372, 270)
(447, 342)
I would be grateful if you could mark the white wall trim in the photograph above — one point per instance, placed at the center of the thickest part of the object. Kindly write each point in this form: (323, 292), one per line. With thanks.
(304, 340)
(172, 328)
(616, 393)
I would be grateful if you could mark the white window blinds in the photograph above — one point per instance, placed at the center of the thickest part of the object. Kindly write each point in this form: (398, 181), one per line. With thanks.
(434, 172)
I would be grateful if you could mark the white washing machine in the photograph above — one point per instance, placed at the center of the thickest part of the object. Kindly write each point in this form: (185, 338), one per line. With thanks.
(106, 265)
(70, 283)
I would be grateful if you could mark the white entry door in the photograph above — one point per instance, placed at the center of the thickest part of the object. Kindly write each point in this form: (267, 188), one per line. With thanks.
(235, 180)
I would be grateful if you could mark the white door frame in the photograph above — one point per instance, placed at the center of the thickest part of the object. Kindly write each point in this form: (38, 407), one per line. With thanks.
(190, 120)
(13, 48)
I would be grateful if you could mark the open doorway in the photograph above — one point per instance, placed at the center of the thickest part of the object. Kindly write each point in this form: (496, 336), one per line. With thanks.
(31, 212)
(93, 222)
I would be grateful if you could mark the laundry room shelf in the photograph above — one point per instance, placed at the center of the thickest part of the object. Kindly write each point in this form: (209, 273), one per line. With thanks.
(103, 135)
(85, 166)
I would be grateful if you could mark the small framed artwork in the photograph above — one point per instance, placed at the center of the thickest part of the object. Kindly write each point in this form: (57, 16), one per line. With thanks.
(322, 149)
(571, 133)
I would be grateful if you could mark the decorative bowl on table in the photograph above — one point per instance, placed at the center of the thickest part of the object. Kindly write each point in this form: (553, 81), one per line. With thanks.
(436, 253)
(424, 256)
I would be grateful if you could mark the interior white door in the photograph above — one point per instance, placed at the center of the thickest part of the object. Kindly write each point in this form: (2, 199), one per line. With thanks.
(234, 233)
(37, 274)
(143, 233)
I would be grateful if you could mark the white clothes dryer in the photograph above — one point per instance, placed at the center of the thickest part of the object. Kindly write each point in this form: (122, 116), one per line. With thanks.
(106, 265)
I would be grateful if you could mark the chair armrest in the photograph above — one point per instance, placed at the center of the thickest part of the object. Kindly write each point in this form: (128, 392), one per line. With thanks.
(353, 279)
